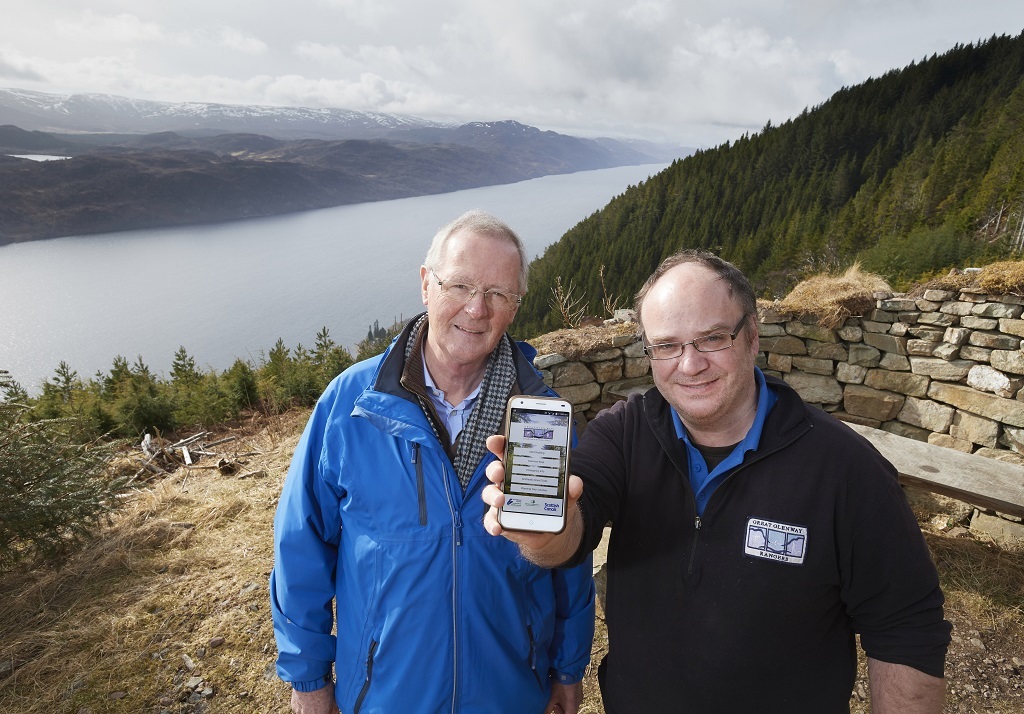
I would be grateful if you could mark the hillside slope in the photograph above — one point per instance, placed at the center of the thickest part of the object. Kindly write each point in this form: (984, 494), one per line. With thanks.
(911, 173)
(167, 610)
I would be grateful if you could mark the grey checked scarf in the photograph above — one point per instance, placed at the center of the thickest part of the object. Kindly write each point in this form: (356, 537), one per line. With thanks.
(489, 410)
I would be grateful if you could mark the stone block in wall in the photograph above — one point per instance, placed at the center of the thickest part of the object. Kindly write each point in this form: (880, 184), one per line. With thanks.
(815, 388)
(1011, 361)
(814, 366)
(1012, 327)
(994, 341)
(947, 371)
(924, 305)
(894, 363)
(761, 361)
(851, 373)
(950, 443)
(886, 343)
(975, 429)
(910, 318)
(1008, 457)
(1011, 299)
(926, 414)
(614, 391)
(854, 419)
(921, 348)
(770, 330)
(979, 323)
(1012, 438)
(780, 363)
(828, 350)
(864, 355)
(771, 316)
(882, 316)
(997, 309)
(567, 374)
(946, 352)
(1007, 411)
(973, 295)
(634, 349)
(850, 333)
(601, 355)
(906, 430)
(633, 367)
(872, 326)
(548, 360)
(937, 318)
(988, 379)
(928, 334)
(975, 354)
(608, 370)
(938, 295)
(899, 329)
(898, 304)
(871, 403)
(955, 307)
(580, 394)
(623, 340)
(956, 335)
(914, 385)
(545, 375)
(787, 345)
(810, 332)
(580, 421)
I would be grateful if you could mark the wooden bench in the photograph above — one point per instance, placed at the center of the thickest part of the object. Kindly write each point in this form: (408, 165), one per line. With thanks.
(977, 480)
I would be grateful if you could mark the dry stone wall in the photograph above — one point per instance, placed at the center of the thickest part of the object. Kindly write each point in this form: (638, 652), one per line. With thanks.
(946, 368)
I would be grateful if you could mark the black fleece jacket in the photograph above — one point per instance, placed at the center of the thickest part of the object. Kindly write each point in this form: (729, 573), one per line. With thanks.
(754, 606)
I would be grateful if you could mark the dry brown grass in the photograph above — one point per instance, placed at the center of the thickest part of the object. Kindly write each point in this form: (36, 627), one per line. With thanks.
(1002, 278)
(183, 563)
(832, 299)
(187, 561)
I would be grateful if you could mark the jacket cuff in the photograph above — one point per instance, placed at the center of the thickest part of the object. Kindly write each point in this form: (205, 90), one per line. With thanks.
(313, 685)
(565, 678)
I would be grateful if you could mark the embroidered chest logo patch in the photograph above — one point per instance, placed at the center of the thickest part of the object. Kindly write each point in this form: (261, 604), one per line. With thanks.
(783, 542)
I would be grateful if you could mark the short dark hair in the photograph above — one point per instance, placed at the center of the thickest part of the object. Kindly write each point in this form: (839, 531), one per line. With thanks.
(739, 287)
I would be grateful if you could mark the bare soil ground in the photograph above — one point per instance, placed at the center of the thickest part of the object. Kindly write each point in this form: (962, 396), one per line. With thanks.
(166, 611)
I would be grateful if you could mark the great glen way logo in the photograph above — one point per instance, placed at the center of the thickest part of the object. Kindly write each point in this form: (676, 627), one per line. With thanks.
(781, 542)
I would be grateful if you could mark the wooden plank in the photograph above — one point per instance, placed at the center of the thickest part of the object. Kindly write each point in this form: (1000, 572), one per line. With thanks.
(977, 480)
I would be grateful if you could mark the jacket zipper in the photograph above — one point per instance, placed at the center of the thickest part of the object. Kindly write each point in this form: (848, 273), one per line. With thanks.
(421, 489)
(693, 550)
(369, 675)
(456, 542)
(533, 656)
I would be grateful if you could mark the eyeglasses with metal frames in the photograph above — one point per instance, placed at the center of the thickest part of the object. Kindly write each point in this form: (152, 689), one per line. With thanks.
(462, 293)
(709, 343)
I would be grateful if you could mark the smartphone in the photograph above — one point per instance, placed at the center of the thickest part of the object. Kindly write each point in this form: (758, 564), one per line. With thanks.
(538, 434)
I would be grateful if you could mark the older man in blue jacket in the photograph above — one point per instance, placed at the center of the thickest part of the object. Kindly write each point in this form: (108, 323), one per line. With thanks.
(379, 533)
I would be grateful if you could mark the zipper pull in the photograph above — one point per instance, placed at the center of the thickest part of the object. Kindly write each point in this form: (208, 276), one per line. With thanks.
(696, 523)
(458, 527)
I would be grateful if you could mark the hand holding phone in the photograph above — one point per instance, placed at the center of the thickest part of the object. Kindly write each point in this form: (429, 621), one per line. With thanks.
(538, 435)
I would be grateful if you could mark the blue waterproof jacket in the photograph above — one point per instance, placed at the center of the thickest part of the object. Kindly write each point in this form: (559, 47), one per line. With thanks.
(433, 613)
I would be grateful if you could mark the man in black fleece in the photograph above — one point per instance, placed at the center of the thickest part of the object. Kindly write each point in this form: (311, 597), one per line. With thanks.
(752, 535)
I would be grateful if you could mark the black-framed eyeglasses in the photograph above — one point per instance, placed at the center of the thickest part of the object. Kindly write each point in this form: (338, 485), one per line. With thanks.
(462, 292)
(709, 343)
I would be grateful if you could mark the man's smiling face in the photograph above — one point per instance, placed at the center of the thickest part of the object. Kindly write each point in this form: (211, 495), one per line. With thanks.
(465, 334)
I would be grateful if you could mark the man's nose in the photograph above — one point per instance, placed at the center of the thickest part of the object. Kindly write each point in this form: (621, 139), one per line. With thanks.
(691, 360)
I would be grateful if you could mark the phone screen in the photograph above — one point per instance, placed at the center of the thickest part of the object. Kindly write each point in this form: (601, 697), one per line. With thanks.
(536, 461)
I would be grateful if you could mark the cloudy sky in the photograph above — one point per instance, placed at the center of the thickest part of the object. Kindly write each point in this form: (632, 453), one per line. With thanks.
(693, 72)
